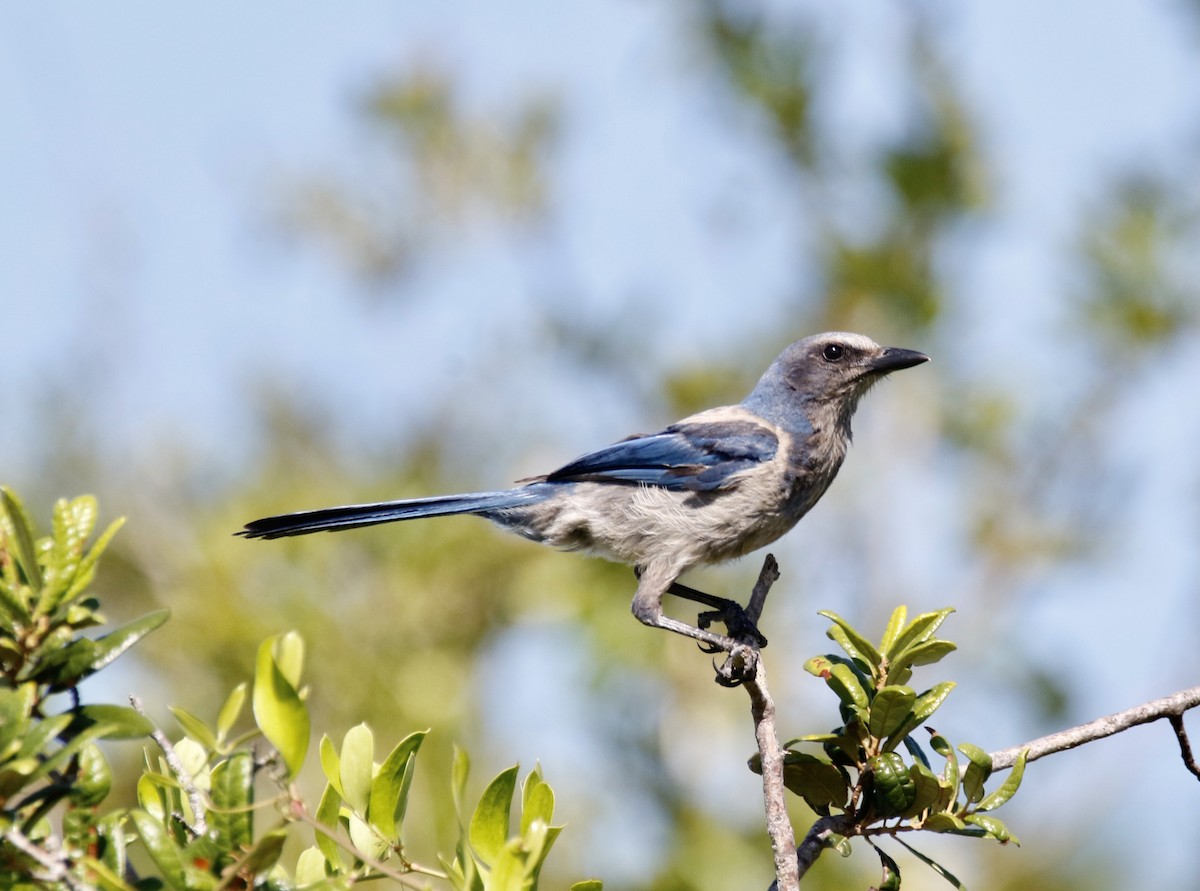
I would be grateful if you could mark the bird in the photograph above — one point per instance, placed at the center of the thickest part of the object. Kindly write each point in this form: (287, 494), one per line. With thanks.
(709, 488)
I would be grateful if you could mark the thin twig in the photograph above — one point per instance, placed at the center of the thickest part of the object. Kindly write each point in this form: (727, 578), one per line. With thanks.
(1168, 706)
(199, 826)
(762, 709)
(1185, 748)
(298, 812)
(55, 864)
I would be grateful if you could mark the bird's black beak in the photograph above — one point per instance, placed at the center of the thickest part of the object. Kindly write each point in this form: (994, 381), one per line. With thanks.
(894, 358)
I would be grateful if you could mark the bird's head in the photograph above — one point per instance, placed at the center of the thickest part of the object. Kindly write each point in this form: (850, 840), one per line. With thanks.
(825, 374)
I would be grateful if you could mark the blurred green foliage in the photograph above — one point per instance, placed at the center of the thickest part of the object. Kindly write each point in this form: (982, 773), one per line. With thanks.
(195, 819)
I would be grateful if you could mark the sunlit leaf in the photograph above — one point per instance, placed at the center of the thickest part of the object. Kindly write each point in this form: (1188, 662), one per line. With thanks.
(357, 766)
(231, 818)
(977, 772)
(162, 849)
(280, 714)
(231, 710)
(894, 628)
(327, 816)
(918, 631)
(890, 708)
(388, 786)
(194, 727)
(1008, 788)
(489, 824)
(22, 528)
(850, 640)
(993, 826)
(926, 790)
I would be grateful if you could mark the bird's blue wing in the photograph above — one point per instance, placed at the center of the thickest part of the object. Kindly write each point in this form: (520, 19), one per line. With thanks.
(692, 456)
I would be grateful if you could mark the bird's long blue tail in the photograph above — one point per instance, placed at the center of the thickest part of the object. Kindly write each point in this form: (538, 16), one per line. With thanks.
(352, 516)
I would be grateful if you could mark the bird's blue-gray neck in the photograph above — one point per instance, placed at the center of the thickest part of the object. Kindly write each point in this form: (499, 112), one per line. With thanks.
(775, 400)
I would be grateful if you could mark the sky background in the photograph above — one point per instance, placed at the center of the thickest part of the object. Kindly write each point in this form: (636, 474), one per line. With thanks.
(148, 150)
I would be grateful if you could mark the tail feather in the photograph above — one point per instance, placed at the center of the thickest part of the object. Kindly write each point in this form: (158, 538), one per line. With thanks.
(352, 516)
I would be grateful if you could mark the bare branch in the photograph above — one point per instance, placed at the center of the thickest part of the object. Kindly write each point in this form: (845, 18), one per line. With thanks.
(1172, 707)
(54, 863)
(195, 799)
(1185, 748)
(762, 710)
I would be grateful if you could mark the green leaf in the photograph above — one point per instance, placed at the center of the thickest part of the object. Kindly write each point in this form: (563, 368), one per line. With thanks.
(926, 790)
(86, 571)
(845, 683)
(895, 627)
(935, 866)
(265, 853)
(944, 822)
(66, 667)
(537, 802)
(232, 794)
(162, 849)
(489, 824)
(16, 706)
(1009, 788)
(893, 788)
(310, 867)
(818, 782)
(977, 772)
(924, 706)
(327, 816)
(926, 653)
(891, 872)
(22, 529)
(389, 787)
(93, 779)
(357, 765)
(194, 727)
(992, 827)
(331, 765)
(459, 771)
(918, 631)
(73, 522)
(950, 773)
(231, 710)
(365, 838)
(588, 885)
(890, 708)
(850, 640)
(280, 714)
(289, 657)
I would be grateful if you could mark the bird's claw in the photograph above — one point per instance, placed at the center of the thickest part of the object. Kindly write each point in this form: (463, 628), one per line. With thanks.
(745, 640)
(738, 667)
(739, 625)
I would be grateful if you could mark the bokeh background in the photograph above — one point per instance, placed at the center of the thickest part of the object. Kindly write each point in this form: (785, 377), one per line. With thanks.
(262, 257)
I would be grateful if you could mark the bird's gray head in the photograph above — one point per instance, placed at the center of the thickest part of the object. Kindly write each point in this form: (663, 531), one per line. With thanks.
(820, 379)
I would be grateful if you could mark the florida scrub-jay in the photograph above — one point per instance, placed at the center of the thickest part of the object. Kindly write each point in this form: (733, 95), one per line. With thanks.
(709, 488)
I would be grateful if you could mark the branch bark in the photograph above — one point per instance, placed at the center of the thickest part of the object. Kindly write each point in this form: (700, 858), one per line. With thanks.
(762, 710)
(1171, 707)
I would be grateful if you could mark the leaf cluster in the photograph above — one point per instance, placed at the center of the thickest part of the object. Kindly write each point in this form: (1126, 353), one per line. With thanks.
(871, 768)
(199, 798)
(49, 753)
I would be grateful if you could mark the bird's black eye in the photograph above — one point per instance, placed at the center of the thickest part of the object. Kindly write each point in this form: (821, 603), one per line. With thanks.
(833, 352)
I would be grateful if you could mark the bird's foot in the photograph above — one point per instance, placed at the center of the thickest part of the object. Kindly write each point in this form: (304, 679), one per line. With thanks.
(745, 638)
(737, 622)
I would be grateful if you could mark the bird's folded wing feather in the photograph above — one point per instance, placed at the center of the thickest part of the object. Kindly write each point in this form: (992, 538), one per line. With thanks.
(698, 456)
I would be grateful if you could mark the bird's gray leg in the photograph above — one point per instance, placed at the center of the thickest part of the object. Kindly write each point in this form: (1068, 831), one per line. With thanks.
(653, 583)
